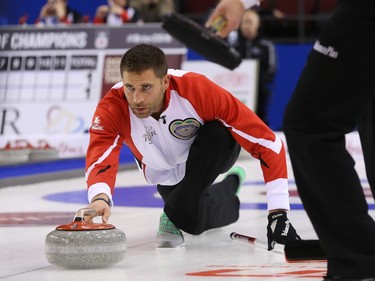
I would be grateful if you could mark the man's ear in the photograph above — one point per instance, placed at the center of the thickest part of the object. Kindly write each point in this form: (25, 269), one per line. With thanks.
(166, 79)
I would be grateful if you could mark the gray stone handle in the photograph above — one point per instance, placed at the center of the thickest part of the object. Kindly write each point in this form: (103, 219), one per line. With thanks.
(81, 213)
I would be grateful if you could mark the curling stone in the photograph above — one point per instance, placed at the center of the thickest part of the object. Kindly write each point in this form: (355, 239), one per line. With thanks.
(85, 245)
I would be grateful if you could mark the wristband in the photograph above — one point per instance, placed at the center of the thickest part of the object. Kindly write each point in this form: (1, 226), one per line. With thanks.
(102, 199)
(250, 3)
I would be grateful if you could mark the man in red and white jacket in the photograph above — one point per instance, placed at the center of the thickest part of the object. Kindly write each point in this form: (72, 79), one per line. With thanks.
(184, 131)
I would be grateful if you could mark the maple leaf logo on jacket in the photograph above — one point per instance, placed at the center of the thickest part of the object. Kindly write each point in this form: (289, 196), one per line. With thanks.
(96, 124)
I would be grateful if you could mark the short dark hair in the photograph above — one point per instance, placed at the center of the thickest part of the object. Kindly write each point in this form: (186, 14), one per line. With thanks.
(143, 57)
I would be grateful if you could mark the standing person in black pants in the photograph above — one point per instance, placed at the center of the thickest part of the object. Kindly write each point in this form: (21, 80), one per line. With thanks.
(335, 95)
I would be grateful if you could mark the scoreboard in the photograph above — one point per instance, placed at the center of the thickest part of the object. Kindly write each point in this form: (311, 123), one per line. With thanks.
(51, 79)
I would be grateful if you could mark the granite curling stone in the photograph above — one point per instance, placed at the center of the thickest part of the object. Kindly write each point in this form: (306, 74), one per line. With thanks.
(84, 245)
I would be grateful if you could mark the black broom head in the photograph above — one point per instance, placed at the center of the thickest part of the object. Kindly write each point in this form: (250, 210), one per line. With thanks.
(202, 40)
(304, 250)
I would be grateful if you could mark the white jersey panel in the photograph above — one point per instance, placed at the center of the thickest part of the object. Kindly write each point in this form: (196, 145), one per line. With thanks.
(165, 143)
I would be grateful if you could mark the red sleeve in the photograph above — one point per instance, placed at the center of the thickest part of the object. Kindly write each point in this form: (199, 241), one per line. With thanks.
(215, 103)
(106, 140)
(124, 16)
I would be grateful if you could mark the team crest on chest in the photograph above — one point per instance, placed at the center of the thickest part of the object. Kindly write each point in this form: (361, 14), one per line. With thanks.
(150, 132)
(184, 129)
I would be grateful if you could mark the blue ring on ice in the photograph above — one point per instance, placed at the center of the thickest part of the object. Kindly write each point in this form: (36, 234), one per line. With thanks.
(147, 196)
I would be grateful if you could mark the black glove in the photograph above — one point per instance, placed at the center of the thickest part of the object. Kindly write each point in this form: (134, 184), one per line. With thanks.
(279, 229)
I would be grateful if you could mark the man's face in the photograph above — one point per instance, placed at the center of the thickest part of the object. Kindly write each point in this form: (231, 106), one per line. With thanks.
(145, 92)
(250, 25)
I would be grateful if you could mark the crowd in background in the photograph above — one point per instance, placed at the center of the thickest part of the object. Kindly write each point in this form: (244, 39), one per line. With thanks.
(114, 12)
(293, 18)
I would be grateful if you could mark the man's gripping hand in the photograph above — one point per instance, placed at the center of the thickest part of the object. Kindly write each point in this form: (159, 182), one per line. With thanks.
(102, 205)
(279, 229)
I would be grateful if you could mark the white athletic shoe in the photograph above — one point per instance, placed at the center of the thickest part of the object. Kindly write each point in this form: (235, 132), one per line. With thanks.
(168, 236)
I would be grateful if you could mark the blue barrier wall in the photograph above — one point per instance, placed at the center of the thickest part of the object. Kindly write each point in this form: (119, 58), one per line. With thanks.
(291, 60)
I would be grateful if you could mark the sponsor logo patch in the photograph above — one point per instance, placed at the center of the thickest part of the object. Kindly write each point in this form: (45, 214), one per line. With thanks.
(96, 124)
(184, 129)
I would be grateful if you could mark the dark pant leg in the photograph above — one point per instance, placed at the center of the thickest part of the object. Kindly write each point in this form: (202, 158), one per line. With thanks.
(327, 103)
(193, 204)
(366, 129)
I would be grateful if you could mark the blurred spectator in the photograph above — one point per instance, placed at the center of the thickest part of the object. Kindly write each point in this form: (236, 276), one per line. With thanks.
(153, 10)
(248, 41)
(22, 20)
(58, 12)
(117, 12)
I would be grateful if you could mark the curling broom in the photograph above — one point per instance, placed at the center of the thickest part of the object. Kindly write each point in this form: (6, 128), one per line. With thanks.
(202, 40)
(294, 250)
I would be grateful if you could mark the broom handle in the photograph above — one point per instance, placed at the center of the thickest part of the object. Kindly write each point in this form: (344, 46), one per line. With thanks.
(254, 241)
(248, 239)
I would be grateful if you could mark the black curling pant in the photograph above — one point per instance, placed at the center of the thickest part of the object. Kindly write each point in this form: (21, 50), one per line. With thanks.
(196, 204)
(334, 96)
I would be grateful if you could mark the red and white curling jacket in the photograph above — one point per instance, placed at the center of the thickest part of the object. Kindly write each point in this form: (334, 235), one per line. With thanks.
(162, 146)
